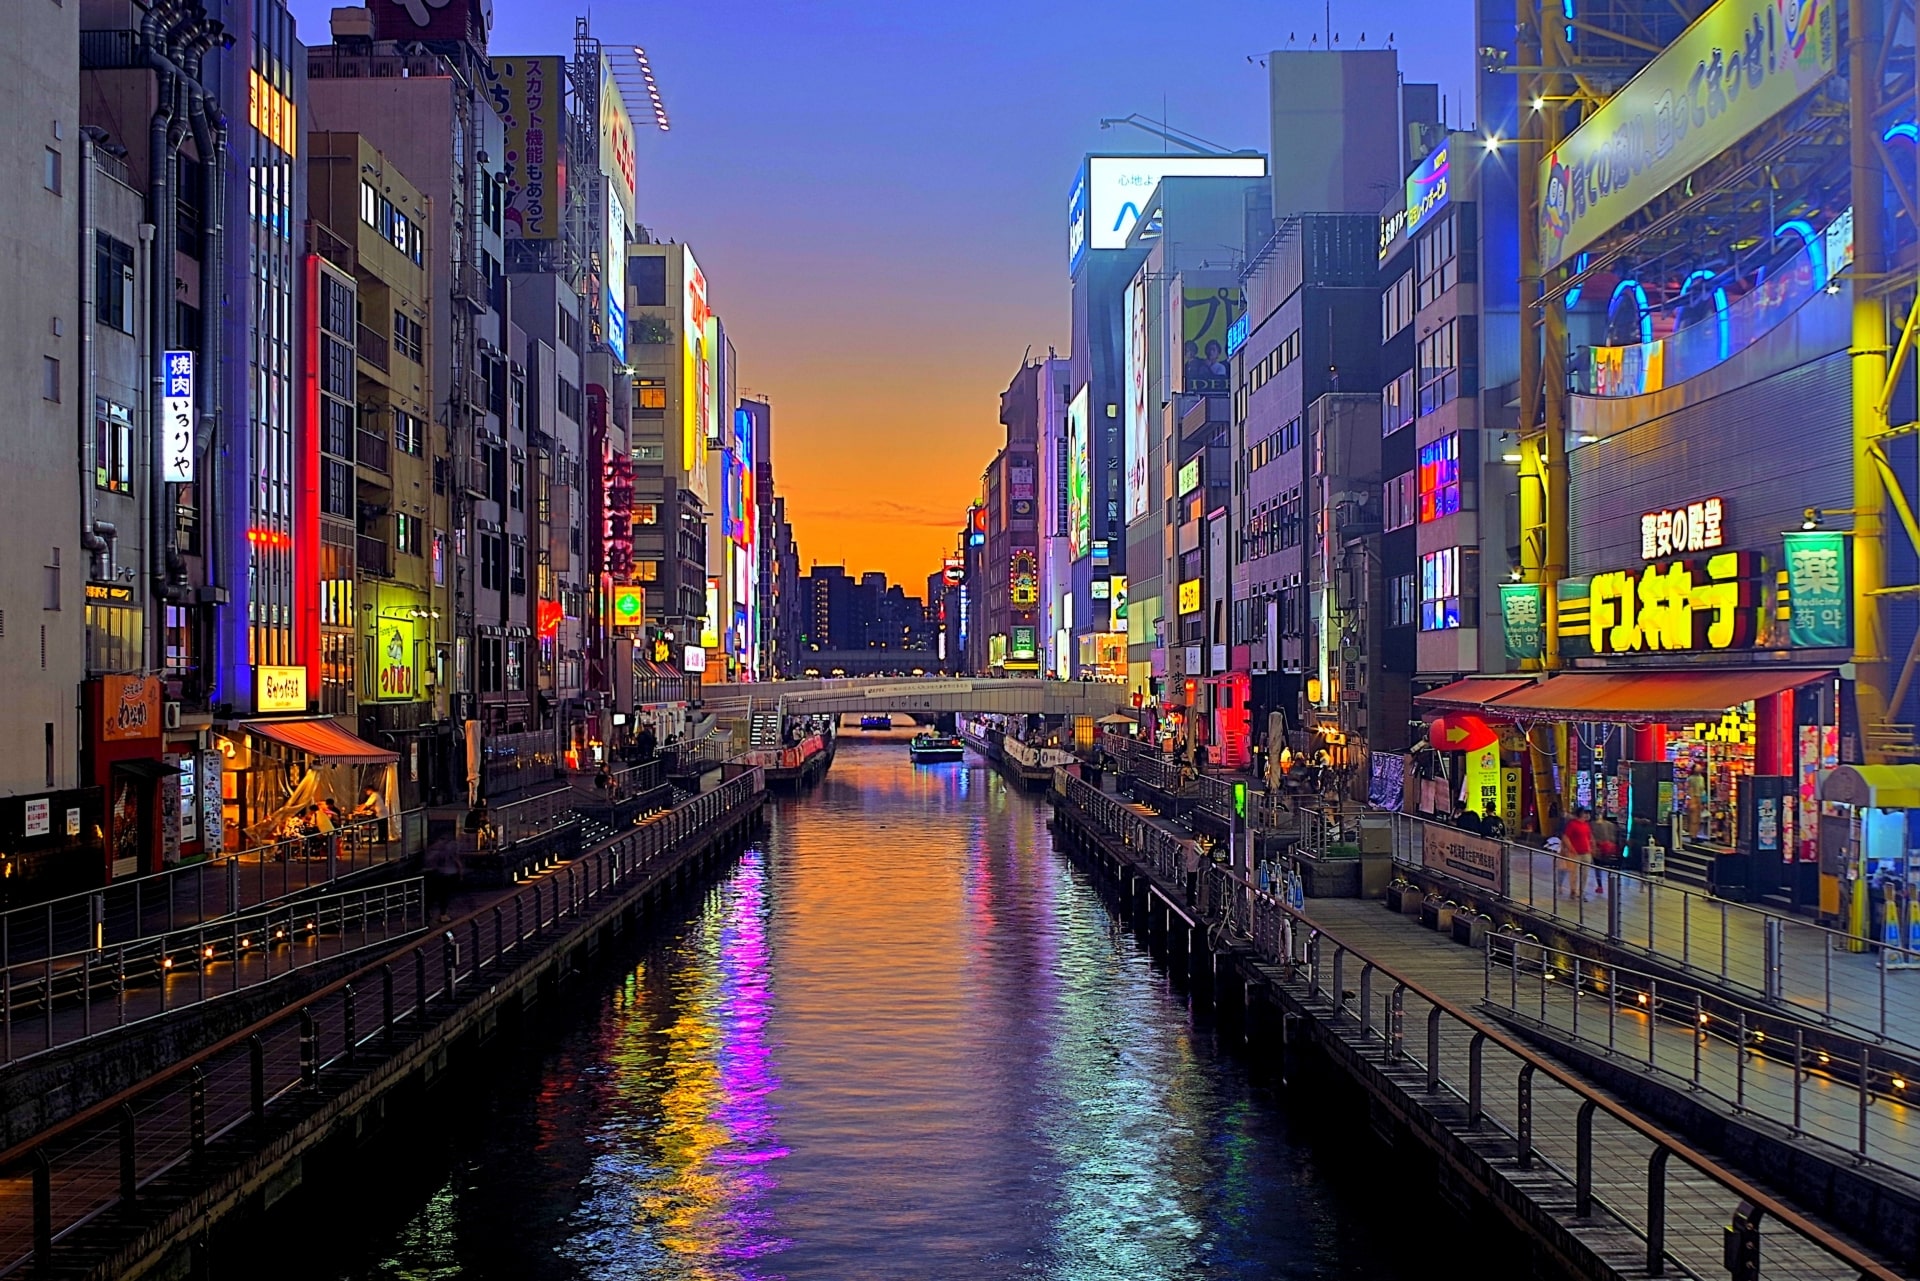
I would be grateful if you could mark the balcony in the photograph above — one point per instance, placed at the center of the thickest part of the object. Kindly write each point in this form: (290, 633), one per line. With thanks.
(373, 556)
(475, 477)
(470, 287)
(372, 450)
(372, 346)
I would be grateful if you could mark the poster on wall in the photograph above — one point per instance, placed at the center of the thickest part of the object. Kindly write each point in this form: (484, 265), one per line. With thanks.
(1079, 508)
(1523, 616)
(1206, 316)
(1817, 589)
(527, 94)
(1473, 859)
(1137, 447)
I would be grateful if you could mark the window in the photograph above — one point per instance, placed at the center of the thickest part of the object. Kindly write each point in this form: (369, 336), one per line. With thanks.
(1449, 589)
(516, 484)
(336, 488)
(1400, 503)
(517, 567)
(409, 433)
(567, 400)
(409, 536)
(646, 571)
(1438, 262)
(336, 307)
(336, 428)
(1440, 477)
(1403, 601)
(369, 204)
(516, 667)
(1396, 404)
(646, 513)
(492, 562)
(112, 446)
(1448, 363)
(113, 282)
(569, 330)
(50, 172)
(650, 394)
(408, 337)
(336, 367)
(489, 653)
(647, 280)
(50, 378)
(1273, 445)
(1396, 306)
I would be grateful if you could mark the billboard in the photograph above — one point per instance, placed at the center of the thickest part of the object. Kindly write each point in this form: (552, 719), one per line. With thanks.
(1079, 480)
(393, 673)
(1138, 489)
(629, 606)
(176, 417)
(615, 276)
(1740, 63)
(468, 20)
(1426, 190)
(616, 139)
(1207, 316)
(1117, 596)
(527, 95)
(695, 320)
(1111, 189)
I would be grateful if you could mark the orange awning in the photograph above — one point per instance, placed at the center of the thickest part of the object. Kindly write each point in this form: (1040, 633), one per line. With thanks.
(1647, 696)
(324, 739)
(1473, 691)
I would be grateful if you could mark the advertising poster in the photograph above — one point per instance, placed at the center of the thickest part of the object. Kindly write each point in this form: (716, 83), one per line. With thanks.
(1523, 615)
(1817, 589)
(129, 708)
(1464, 856)
(527, 94)
(1207, 315)
(393, 660)
(1740, 63)
(1079, 508)
(1482, 790)
(1138, 448)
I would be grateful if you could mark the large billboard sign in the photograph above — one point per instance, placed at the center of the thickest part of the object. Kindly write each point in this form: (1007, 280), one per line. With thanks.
(615, 274)
(466, 20)
(1206, 317)
(1108, 194)
(527, 95)
(1740, 63)
(1137, 446)
(1079, 499)
(616, 139)
(695, 322)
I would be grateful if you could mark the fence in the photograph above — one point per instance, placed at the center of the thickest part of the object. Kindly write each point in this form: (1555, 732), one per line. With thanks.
(510, 762)
(1557, 1121)
(534, 815)
(144, 906)
(59, 1000)
(105, 1155)
(1872, 990)
(1830, 1090)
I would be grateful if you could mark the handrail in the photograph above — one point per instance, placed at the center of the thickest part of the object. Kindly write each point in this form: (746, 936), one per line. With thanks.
(666, 830)
(1077, 791)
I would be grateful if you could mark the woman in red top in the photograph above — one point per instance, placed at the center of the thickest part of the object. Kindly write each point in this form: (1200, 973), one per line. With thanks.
(1576, 843)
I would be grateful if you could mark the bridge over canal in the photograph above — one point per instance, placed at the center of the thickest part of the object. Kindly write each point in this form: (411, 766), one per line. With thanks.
(921, 694)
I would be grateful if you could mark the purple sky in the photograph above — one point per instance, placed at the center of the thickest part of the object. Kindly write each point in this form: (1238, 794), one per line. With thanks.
(877, 195)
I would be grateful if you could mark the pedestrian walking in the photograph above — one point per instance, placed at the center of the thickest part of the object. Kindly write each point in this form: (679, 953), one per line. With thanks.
(1606, 849)
(1577, 849)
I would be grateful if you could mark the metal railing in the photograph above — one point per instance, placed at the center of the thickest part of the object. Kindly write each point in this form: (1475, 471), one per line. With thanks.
(1872, 989)
(107, 1154)
(1830, 1089)
(534, 815)
(510, 762)
(60, 1000)
(193, 893)
(786, 757)
(1557, 1119)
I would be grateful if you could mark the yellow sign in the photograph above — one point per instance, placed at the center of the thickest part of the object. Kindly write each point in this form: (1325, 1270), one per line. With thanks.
(1190, 596)
(1510, 799)
(1482, 792)
(1669, 608)
(392, 660)
(629, 606)
(272, 115)
(279, 689)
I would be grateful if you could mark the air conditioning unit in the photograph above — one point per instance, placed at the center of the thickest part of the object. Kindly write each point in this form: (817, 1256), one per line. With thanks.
(170, 715)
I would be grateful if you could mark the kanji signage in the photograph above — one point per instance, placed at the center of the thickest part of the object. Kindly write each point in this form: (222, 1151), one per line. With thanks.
(1523, 617)
(176, 416)
(1817, 589)
(1697, 527)
(1700, 603)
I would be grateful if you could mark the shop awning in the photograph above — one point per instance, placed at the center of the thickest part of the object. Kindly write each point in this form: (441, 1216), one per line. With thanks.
(323, 739)
(1651, 697)
(1473, 691)
(1883, 787)
(148, 771)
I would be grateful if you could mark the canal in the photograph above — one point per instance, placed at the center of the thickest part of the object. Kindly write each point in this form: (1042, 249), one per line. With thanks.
(900, 1038)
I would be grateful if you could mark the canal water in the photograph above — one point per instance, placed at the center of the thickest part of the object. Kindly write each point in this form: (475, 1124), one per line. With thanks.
(901, 1038)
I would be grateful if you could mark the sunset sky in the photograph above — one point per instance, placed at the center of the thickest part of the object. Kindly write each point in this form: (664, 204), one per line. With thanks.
(877, 194)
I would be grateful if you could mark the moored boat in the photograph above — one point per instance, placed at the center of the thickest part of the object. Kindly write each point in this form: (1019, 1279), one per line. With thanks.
(936, 747)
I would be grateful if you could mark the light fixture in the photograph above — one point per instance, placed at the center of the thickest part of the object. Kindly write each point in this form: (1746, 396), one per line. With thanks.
(1810, 519)
(1493, 142)
(1511, 456)
(1514, 573)
(1538, 102)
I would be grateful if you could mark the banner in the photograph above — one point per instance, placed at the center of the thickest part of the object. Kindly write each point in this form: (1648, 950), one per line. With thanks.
(176, 417)
(1817, 590)
(1207, 315)
(526, 94)
(1740, 63)
(1523, 616)
(1466, 857)
(1079, 501)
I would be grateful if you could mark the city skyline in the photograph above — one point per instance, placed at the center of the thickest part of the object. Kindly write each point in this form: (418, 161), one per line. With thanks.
(934, 212)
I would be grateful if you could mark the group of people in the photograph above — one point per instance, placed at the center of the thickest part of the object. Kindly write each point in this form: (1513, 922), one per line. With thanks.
(1586, 837)
(315, 826)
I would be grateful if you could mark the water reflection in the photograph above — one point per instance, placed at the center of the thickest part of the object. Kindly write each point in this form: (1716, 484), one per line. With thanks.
(903, 1038)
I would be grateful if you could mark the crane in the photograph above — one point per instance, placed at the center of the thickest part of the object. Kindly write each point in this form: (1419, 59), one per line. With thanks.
(1167, 133)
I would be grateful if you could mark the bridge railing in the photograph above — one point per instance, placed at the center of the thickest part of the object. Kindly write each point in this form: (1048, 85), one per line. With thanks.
(1464, 1054)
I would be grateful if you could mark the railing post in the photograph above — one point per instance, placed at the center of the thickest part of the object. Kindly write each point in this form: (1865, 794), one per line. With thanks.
(1476, 1051)
(451, 953)
(1799, 1074)
(420, 981)
(1699, 1035)
(1583, 1167)
(348, 1020)
(386, 1005)
(309, 1047)
(1657, 1213)
(1366, 1000)
(197, 1111)
(1740, 1068)
(1774, 944)
(1742, 1252)
(129, 1175)
(1396, 1022)
(1433, 1050)
(1866, 1096)
(1339, 979)
(257, 1076)
(1525, 1117)
(42, 1211)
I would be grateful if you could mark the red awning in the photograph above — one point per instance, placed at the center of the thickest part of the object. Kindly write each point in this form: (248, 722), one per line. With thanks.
(325, 740)
(1651, 697)
(1473, 691)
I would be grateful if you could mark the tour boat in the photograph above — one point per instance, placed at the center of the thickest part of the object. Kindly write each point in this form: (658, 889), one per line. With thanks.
(936, 747)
